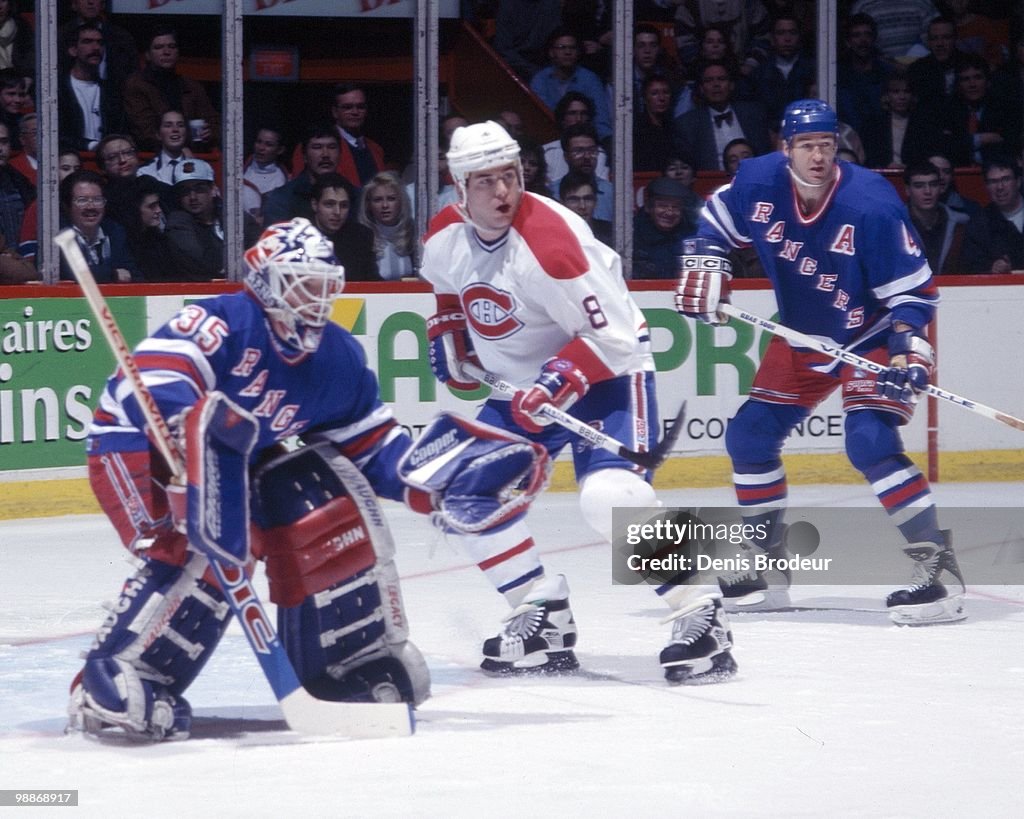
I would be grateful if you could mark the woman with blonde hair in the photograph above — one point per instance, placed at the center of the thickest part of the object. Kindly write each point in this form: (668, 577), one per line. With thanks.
(384, 208)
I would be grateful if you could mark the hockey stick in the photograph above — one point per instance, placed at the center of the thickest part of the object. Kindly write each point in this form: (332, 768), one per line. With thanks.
(852, 358)
(648, 460)
(302, 712)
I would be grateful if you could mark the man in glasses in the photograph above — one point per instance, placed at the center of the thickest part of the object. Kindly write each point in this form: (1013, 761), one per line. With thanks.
(103, 242)
(995, 239)
(580, 151)
(564, 74)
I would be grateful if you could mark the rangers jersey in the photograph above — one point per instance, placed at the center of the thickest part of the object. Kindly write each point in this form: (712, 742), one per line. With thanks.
(843, 272)
(547, 287)
(226, 344)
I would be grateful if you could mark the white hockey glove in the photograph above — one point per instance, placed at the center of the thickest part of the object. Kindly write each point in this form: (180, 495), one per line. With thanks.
(911, 360)
(704, 275)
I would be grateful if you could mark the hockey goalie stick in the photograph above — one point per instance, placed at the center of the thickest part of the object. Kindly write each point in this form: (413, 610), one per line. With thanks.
(648, 460)
(847, 357)
(302, 712)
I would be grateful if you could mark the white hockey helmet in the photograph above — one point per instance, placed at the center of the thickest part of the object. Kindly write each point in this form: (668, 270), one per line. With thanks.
(478, 147)
(293, 272)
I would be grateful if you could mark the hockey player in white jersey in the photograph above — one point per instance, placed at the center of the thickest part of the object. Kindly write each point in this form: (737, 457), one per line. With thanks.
(525, 291)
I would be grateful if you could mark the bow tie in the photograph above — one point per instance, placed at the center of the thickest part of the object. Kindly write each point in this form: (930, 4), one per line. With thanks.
(726, 118)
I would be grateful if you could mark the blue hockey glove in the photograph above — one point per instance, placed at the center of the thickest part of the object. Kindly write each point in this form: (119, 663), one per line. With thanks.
(704, 275)
(911, 359)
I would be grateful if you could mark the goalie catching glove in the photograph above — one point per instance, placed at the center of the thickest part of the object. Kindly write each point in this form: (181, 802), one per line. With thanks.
(450, 344)
(479, 477)
(911, 359)
(704, 275)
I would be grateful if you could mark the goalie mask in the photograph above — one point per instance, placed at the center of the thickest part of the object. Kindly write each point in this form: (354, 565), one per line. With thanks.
(293, 272)
(479, 147)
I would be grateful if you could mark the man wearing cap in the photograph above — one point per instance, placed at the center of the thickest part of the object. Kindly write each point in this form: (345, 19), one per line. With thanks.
(659, 229)
(847, 267)
(194, 233)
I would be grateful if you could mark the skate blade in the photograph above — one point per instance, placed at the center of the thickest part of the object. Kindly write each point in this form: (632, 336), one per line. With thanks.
(768, 600)
(946, 610)
(720, 669)
(560, 662)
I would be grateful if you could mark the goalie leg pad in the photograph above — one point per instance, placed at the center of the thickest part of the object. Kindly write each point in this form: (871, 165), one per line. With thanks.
(155, 641)
(329, 560)
(485, 477)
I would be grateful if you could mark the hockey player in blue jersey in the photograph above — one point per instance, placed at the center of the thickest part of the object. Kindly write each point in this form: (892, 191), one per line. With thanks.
(846, 266)
(272, 365)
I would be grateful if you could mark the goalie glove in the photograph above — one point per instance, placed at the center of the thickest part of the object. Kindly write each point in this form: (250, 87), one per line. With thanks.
(911, 360)
(561, 383)
(479, 478)
(450, 344)
(704, 275)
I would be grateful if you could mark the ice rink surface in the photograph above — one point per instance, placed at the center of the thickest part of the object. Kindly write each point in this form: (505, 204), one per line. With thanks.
(835, 712)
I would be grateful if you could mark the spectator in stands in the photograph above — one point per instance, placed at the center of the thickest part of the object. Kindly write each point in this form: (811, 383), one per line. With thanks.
(147, 233)
(16, 193)
(195, 236)
(704, 132)
(319, 156)
(786, 73)
(26, 161)
(331, 201)
(565, 74)
(535, 169)
(28, 241)
(120, 54)
(577, 192)
(521, 32)
(734, 153)
(592, 24)
(261, 174)
(900, 135)
(659, 229)
(118, 159)
(1008, 80)
(171, 157)
(580, 150)
(17, 41)
(861, 73)
(941, 229)
(995, 240)
(88, 106)
(948, 193)
(572, 109)
(360, 158)
(652, 128)
(746, 22)
(650, 59)
(158, 87)
(933, 77)
(103, 242)
(385, 209)
(508, 119)
(900, 22)
(981, 125)
(12, 103)
(681, 169)
(14, 268)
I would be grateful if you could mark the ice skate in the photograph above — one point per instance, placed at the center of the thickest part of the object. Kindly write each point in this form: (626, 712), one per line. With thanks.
(699, 652)
(751, 589)
(936, 590)
(539, 634)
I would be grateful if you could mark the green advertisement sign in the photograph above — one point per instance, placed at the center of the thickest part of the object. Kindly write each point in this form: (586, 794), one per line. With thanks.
(53, 365)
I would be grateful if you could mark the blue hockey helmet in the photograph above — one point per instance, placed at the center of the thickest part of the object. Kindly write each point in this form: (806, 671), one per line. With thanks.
(811, 116)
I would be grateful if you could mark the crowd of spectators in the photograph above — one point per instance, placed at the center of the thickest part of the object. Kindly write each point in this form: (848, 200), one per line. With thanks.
(924, 87)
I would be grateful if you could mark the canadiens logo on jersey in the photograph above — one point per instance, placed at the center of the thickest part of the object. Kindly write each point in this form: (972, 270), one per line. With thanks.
(490, 311)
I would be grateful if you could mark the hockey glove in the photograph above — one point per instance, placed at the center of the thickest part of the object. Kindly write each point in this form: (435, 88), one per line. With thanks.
(450, 344)
(562, 383)
(704, 275)
(911, 359)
